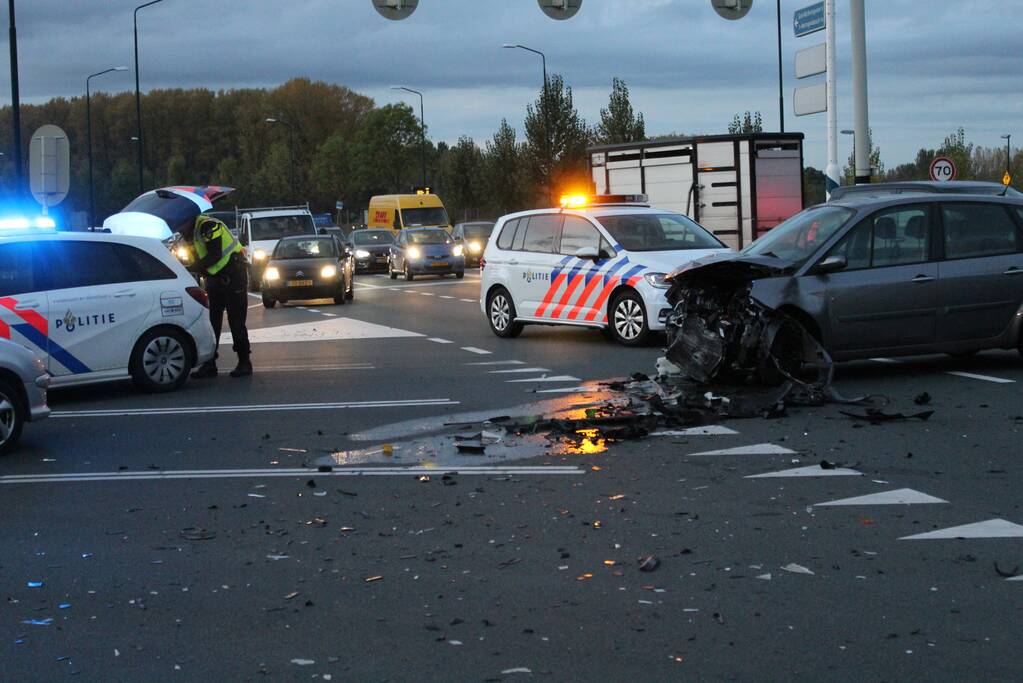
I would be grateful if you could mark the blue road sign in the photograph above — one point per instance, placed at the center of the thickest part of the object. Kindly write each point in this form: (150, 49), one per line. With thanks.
(339, 205)
(809, 19)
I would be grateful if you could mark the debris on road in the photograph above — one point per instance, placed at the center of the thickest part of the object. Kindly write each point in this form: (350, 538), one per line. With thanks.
(876, 416)
(649, 564)
(794, 568)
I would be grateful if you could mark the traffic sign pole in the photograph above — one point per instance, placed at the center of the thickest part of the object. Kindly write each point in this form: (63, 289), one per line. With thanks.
(831, 171)
(857, 17)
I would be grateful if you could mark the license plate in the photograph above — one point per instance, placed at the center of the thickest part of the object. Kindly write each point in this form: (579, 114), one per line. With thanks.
(300, 283)
(439, 264)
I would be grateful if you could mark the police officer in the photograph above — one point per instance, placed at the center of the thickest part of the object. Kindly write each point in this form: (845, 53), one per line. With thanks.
(218, 256)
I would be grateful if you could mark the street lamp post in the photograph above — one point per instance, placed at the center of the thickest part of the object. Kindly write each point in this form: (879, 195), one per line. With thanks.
(138, 97)
(88, 137)
(422, 125)
(781, 94)
(546, 121)
(848, 131)
(1008, 158)
(15, 104)
(291, 149)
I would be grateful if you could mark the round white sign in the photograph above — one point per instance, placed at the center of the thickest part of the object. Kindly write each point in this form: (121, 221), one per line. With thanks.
(943, 169)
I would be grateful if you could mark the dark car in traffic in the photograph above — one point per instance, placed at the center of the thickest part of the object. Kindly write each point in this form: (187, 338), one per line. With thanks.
(425, 251)
(867, 277)
(308, 267)
(371, 249)
(473, 237)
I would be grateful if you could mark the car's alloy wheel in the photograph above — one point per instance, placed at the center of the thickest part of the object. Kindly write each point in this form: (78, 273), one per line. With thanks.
(11, 419)
(628, 320)
(164, 360)
(502, 315)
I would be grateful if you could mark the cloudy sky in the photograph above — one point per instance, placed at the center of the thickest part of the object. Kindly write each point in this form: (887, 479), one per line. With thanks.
(933, 64)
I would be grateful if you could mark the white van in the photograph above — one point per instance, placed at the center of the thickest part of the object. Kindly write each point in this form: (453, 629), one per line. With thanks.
(98, 307)
(259, 230)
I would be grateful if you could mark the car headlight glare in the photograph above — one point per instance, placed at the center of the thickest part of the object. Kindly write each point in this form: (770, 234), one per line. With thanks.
(413, 252)
(182, 254)
(457, 250)
(272, 274)
(656, 280)
(475, 247)
(328, 272)
(259, 255)
(361, 253)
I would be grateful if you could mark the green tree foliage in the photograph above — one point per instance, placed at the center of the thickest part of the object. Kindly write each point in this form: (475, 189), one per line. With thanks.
(619, 122)
(461, 180)
(959, 151)
(875, 163)
(504, 172)
(556, 141)
(814, 184)
(750, 122)
(387, 151)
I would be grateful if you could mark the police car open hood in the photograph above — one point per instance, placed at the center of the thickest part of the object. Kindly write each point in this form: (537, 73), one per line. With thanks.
(159, 213)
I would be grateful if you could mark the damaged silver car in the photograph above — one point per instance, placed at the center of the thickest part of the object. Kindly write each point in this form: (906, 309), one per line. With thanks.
(858, 278)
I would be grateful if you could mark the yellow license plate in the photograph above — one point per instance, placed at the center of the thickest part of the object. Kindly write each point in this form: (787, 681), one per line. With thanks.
(441, 264)
(300, 283)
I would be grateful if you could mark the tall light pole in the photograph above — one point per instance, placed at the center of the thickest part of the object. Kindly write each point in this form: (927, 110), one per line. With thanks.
(1008, 158)
(138, 97)
(88, 136)
(422, 125)
(857, 19)
(546, 120)
(781, 95)
(15, 105)
(291, 149)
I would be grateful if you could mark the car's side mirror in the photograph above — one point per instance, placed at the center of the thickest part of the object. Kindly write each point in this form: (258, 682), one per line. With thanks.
(587, 253)
(832, 264)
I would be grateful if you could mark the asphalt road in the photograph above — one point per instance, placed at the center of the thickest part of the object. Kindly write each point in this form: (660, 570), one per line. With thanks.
(191, 536)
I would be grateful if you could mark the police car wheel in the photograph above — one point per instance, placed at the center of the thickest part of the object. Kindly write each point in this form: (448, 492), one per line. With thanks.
(501, 314)
(12, 417)
(627, 320)
(161, 360)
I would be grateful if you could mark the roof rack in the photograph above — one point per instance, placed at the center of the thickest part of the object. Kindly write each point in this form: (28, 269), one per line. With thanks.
(303, 207)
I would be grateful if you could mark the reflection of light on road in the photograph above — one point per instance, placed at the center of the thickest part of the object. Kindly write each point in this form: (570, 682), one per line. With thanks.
(589, 442)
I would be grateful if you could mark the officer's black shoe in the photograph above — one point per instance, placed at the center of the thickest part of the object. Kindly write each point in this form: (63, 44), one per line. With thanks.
(244, 369)
(207, 369)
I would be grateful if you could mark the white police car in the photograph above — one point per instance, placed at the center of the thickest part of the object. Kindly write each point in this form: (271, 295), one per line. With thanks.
(596, 262)
(99, 307)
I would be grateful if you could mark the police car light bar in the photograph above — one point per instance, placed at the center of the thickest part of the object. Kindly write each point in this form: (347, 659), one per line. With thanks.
(23, 223)
(579, 201)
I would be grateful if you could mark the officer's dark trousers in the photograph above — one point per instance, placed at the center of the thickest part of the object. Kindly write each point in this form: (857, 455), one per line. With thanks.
(228, 291)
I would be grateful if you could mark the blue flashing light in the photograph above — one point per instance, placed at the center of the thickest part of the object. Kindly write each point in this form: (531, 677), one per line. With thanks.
(24, 223)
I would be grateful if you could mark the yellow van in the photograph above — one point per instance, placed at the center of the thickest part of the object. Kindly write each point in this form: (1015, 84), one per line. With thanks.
(397, 211)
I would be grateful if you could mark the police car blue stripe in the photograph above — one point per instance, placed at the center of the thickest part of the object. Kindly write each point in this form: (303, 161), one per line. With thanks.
(57, 352)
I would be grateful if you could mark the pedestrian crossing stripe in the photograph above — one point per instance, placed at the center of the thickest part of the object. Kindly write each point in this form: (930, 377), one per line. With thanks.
(333, 329)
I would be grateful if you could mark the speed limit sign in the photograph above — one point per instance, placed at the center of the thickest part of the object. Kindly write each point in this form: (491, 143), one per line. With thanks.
(943, 168)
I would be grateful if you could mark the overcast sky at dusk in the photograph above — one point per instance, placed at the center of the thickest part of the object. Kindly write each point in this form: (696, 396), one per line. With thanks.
(933, 66)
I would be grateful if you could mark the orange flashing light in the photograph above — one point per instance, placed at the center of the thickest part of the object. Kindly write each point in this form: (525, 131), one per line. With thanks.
(574, 201)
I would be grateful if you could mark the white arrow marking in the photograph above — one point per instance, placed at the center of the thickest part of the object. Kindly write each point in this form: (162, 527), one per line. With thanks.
(811, 471)
(755, 449)
(708, 430)
(896, 497)
(992, 528)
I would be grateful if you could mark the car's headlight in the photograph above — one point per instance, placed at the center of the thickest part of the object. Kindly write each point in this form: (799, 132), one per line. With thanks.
(272, 274)
(259, 255)
(475, 247)
(182, 254)
(457, 250)
(413, 252)
(656, 280)
(361, 253)
(328, 272)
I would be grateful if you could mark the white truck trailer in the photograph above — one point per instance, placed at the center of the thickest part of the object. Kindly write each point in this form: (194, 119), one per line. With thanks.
(737, 186)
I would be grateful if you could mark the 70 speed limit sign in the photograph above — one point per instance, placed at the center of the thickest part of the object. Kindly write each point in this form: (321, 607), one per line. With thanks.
(943, 168)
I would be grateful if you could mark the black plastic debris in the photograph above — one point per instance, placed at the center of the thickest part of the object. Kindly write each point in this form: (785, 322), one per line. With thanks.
(876, 416)
(649, 564)
(922, 399)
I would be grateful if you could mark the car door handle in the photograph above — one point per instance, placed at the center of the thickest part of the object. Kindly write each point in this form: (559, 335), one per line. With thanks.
(124, 294)
(31, 304)
(513, 262)
(922, 278)
(1013, 271)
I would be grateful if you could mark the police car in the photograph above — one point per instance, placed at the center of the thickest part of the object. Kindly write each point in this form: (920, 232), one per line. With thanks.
(595, 262)
(98, 307)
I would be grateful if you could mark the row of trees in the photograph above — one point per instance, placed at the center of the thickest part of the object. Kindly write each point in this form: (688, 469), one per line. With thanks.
(330, 142)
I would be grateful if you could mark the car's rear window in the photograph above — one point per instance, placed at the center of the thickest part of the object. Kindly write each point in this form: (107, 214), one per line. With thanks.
(312, 248)
(428, 237)
(373, 237)
(507, 236)
(658, 232)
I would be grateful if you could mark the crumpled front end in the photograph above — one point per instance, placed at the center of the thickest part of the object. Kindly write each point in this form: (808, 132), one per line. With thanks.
(719, 332)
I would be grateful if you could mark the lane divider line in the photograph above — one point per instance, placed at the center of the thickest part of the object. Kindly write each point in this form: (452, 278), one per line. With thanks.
(983, 378)
(191, 410)
(473, 349)
(517, 370)
(555, 378)
(438, 340)
(271, 473)
(499, 362)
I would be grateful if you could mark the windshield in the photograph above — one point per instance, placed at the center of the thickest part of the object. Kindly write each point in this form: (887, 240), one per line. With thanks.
(428, 237)
(478, 231)
(276, 227)
(373, 237)
(322, 247)
(799, 237)
(658, 232)
(428, 215)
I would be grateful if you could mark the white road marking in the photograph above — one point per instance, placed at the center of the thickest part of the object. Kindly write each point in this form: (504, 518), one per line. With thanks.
(254, 306)
(499, 362)
(473, 349)
(569, 390)
(443, 296)
(755, 449)
(992, 528)
(1015, 578)
(363, 284)
(516, 370)
(708, 430)
(151, 475)
(427, 293)
(330, 315)
(255, 296)
(984, 378)
(311, 368)
(896, 497)
(266, 408)
(312, 310)
(811, 471)
(438, 340)
(469, 301)
(438, 283)
(323, 330)
(890, 361)
(555, 378)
